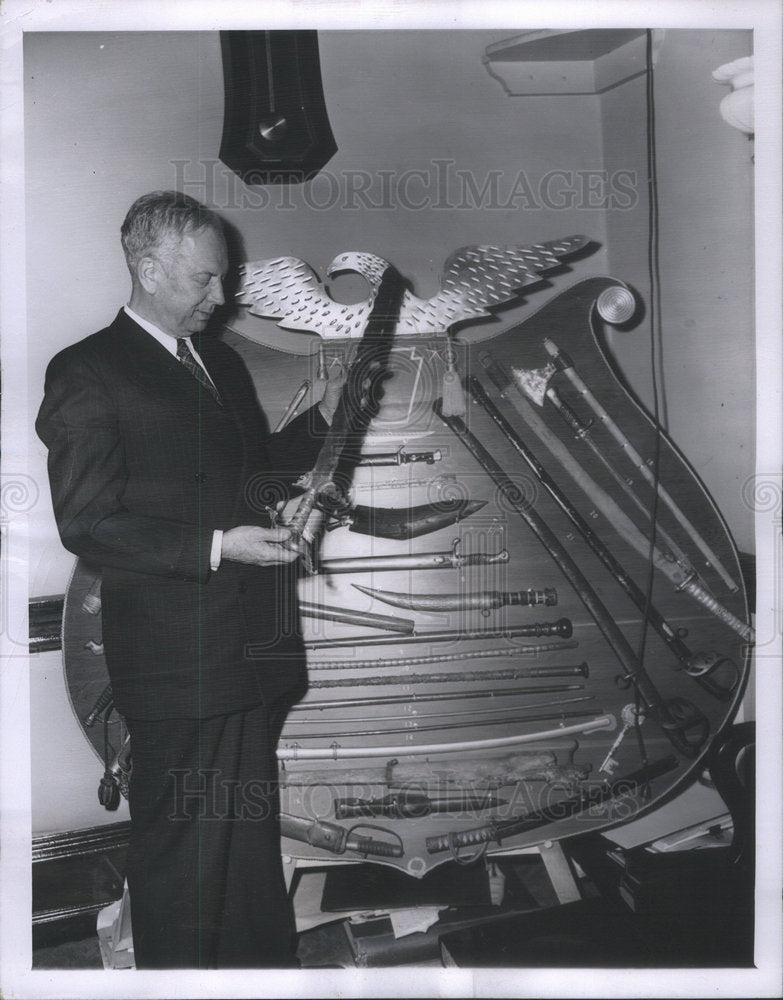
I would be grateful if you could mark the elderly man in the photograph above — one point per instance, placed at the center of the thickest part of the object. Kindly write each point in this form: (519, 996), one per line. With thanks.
(155, 436)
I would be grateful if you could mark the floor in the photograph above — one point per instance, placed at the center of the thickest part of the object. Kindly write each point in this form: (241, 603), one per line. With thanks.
(332, 939)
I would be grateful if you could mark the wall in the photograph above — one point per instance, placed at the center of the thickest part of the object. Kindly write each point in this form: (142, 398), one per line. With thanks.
(706, 249)
(110, 116)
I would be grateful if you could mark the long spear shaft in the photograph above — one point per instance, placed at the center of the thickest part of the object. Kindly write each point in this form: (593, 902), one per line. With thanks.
(440, 715)
(682, 577)
(582, 433)
(662, 627)
(564, 364)
(677, 720)
(561, 627)
(473, 654)
(478, 676)
(510, 721)
(414, 697)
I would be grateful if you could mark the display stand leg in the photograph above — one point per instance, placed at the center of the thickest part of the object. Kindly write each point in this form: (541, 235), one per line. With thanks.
(560, 872)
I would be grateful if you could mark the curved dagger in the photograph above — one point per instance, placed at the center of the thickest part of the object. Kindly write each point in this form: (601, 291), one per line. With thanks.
(402, 523)
(480, 600)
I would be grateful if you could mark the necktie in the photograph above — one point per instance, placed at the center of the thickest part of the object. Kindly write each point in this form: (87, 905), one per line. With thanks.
(195, 369)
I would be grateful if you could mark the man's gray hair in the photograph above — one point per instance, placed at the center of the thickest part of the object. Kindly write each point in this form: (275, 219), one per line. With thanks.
(155, 218)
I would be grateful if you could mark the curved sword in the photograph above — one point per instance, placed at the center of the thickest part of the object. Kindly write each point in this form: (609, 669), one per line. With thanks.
(479, 600)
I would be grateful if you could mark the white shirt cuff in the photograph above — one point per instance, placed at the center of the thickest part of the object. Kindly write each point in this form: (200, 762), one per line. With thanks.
(217, 545)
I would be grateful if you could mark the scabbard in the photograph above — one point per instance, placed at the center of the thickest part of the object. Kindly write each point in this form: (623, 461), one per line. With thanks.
(402, 523)
(407, 804)
(482, 600)
(587, 797)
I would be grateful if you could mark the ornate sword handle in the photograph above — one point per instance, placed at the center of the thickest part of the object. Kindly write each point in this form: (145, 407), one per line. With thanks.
(458, 560)
(686, 726)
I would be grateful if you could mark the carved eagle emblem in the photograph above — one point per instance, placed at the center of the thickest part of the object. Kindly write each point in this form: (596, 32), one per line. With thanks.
(474, 279)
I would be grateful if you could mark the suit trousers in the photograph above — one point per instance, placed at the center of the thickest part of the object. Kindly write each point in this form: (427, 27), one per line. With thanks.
(205, 873)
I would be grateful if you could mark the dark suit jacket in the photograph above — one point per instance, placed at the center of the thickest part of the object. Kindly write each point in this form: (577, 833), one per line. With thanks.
(144, 465)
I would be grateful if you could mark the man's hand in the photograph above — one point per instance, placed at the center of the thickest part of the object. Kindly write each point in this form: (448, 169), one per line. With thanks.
(257, 546)
(332, 391)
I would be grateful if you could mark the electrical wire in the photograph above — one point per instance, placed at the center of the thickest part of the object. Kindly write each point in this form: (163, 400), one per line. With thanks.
(656, 362)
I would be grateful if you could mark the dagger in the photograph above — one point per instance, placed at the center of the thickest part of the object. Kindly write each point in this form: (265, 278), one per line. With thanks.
(383, 458)
(480, 600)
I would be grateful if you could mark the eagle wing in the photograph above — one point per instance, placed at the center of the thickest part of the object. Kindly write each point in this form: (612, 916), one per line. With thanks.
(475, 279)
(288, 290)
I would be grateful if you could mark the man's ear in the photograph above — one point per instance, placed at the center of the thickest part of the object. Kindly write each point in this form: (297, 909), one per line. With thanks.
(148, 274)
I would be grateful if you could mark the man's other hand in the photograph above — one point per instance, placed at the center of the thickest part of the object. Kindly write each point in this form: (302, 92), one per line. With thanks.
(257, 546)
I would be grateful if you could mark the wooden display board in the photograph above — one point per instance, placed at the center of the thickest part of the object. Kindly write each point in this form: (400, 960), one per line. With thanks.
(460, 740)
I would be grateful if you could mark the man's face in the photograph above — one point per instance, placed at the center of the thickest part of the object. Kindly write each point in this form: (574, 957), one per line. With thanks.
(189, 281)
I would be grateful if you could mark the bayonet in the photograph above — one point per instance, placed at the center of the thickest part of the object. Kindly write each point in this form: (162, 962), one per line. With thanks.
(453, 559)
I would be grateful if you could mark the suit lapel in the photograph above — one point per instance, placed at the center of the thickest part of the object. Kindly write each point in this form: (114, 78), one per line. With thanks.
(151, 365)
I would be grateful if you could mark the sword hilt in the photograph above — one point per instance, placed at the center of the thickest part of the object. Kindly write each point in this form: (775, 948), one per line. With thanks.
(528, 598)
